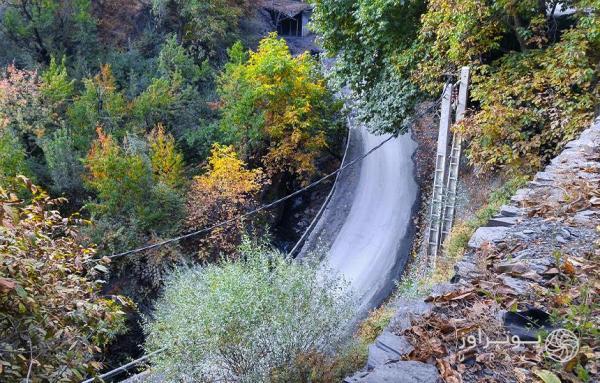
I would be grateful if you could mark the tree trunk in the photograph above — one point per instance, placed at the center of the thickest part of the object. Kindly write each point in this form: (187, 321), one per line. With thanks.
(517, 27)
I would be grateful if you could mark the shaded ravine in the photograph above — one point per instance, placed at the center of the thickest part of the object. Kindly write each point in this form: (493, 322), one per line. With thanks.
(366, 230)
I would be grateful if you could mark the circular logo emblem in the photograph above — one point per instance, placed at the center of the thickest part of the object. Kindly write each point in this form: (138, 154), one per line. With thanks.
(561, 345)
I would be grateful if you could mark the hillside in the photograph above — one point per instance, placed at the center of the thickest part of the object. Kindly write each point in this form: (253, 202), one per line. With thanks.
(532, 268)
(252, 191)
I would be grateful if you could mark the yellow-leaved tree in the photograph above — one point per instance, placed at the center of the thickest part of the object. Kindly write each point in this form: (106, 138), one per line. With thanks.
(166, 161)
(277, 106)
(225, 191)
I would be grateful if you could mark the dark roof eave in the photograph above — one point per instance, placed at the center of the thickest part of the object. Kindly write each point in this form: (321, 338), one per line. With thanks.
(288, 8)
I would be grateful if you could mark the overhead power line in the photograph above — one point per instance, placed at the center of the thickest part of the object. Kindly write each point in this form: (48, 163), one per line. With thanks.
(129, 365)
(251, 212)
(269, 205)
(123, 368)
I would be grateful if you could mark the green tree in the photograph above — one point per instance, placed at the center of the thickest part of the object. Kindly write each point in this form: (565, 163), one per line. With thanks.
(56, 86)
(368, 39)
(364, 34)
(174, 59)
(134, 190)
(166, 161)
(191, 118)
(240, 321)
(120, 179)
(47, 28)
(54, 320)
(64, 164)
(100, 104)
(279, 105)
(204, 26)
(155, 104)
(13, 159)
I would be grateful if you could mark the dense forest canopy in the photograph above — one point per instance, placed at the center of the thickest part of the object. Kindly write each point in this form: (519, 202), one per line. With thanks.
(144, 120)
(150, 119)
(536, 68)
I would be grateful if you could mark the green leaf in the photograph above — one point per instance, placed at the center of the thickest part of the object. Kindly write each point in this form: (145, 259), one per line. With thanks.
(21, 292)
(547, 376)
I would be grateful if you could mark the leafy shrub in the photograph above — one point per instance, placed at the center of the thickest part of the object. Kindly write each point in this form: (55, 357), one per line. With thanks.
(532, 104)
(64, 163)
(53, 320)
(535, 74)
(239, 321)
(21, 105)
(533, 98)
(12, 159)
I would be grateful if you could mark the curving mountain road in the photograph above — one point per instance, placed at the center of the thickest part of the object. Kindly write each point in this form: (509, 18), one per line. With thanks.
(366, 230)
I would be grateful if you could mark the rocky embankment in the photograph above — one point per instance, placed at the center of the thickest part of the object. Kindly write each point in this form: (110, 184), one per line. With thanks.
(534, 268)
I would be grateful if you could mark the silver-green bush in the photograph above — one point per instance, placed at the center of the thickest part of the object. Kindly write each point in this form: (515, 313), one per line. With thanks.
(238, 321)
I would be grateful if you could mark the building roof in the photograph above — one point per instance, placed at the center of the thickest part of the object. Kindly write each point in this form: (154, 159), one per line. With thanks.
(289, 8)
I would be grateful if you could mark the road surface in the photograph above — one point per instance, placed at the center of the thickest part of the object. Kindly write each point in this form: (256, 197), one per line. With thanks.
(365, 233)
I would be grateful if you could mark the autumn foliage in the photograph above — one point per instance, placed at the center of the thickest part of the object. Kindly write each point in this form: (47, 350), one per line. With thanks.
(225, 191)
(112, 172)
(137, 184)
(166, 161)
(278, 105)
(534, 66)
(53, 321)
(535, 96)
(21, 107)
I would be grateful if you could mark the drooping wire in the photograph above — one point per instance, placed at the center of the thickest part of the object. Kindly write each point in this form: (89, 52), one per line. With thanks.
(143, 358)
(271, 204)
(123, 368)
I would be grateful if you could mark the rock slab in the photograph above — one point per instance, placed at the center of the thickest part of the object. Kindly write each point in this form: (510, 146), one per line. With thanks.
(398, 372)
(486, 234)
